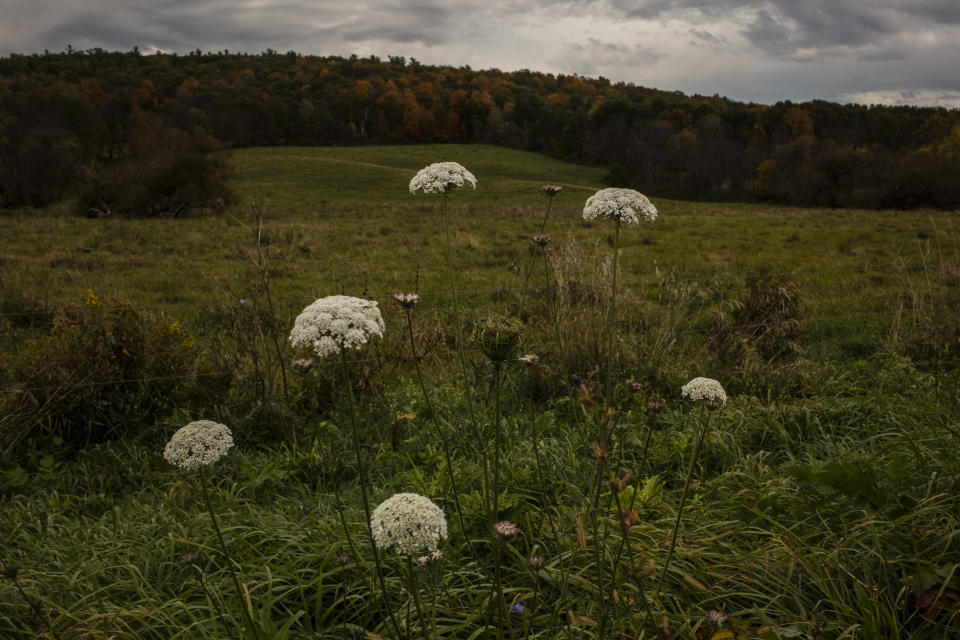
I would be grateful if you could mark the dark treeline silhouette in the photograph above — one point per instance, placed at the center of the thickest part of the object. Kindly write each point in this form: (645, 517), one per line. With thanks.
(68, 118)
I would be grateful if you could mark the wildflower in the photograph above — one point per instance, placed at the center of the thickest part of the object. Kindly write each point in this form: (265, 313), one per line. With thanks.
(706, 389)
(582, 388)
(302, 363)
(441, 177)
(517, 608)
(498, 337)
(624, 205)
(536, 562)
(634, 385)
(93, 301)
(541, 239)
(551, 189)
(436, 555)
(529, 359)
(506, 529)
(423, 560)
(342, 559)
(408, 522)
(243, 301)
(187, 559)
(406, 300)
(717, 618)
(198, 444)
(654, 406)
(336, 322)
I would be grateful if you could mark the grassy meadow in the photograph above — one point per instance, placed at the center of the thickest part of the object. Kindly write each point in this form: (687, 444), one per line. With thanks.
(819, 502)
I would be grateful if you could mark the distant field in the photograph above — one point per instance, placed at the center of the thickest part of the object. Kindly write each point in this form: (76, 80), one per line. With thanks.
(343, 220)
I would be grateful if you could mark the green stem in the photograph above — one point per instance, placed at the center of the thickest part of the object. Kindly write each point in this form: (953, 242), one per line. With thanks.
(226, 554)
(460, 352)
(533, 258)
(495, 510)
(612, 318)
(362, 473)
(440, 435)
(683, 500)
(414, 590)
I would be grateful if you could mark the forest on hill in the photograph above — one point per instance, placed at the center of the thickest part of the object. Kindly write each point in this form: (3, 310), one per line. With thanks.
(136, 133)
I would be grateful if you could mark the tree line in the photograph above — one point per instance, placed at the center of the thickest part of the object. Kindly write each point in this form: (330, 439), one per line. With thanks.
(137, 134)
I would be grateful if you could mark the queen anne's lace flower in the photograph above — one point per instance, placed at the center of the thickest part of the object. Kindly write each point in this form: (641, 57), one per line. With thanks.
(408, 522)
(198, 444)
(337, 321)
(625, 205)
(441, 177)
(706, 389)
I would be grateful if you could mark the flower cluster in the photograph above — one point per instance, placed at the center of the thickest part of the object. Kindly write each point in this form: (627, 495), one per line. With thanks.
(551, 189)
(302, 364)
(498, 336)
(406, 300)
(529, 359)
(706, 389)
(624, 205)
(408, 522)
(506, 529)
(336, 321)
(198, 444)
(435, 556)
(441, 177)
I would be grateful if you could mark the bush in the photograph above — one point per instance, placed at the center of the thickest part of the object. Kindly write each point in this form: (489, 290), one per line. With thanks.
(104, 371)
(167, 172)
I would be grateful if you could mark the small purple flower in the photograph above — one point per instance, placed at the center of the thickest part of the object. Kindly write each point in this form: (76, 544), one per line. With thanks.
(243, 301)
(517, 608)
(576, 381)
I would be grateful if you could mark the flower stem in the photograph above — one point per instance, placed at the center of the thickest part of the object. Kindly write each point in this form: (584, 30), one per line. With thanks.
(362, 473)
(226, 554)
(414, 590)
(612, 318)
(440, 435)
(495, 511)
(683, 500)
(533, 258)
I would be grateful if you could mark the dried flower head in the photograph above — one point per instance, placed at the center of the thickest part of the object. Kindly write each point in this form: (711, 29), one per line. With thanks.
(406, 300)
(551, 189)
(706, 389)
(441, 177)
(536, 562)
(541, 239)
(342, 559)
(498, 337)
(336, 322)
(302, 363)
(654, 406)
(408, 522)
(717, 618)
(187, 559)
(506, 529)
(198, 444)
(529, 359)
(624, 205)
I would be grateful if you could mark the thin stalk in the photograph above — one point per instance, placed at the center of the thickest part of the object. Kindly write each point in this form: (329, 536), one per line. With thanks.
(226, 554)
(612, 319)
(683, 500)
(440, 436)
(460, 353)
(362, 473)
(533, 258)
(495, 510)
(414, 590)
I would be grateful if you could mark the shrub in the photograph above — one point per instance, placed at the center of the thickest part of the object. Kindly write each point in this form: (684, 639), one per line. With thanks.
(101, 372)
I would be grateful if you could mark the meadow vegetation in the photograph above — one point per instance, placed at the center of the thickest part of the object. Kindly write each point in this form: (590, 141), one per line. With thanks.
(820, 501)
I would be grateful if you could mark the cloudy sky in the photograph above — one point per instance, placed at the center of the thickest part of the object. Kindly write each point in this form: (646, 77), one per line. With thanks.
(872, 51)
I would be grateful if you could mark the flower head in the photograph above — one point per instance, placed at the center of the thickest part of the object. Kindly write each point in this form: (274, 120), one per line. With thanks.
(706, 389)
(498, 337)
(517, 608)
(198, 444)
(624, 205)
(541, 239)
(406, 300)
(506, 529)
(529, 359)
(408, 522)
(441, 177)
(536, 562)
(337, 321)
(551, 189)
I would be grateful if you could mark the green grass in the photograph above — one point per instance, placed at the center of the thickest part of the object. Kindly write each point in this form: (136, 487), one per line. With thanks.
(824, 502)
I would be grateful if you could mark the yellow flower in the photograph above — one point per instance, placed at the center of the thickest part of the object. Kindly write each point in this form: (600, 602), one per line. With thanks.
(93, 302)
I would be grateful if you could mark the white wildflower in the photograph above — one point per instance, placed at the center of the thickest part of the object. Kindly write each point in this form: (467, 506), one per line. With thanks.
(441, 177)
(408, 522)
(337, 321)
(706, 389)
(625, 205)
(198, 444)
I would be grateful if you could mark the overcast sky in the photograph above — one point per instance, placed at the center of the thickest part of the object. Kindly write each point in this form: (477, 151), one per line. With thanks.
(872, 51)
